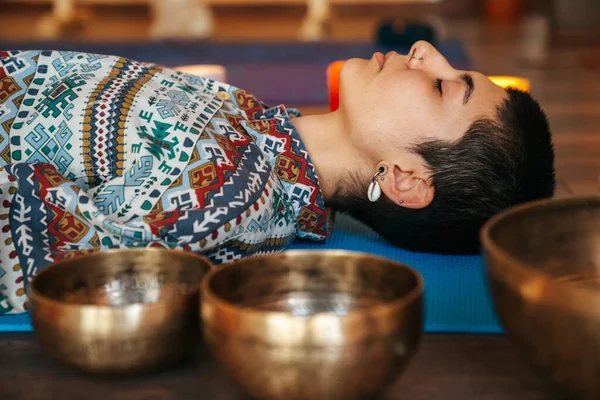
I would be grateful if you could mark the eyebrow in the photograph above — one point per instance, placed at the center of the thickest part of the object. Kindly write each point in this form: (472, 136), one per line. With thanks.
(468, 79)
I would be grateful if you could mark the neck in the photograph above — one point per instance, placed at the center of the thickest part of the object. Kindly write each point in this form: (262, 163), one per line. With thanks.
(330, 149)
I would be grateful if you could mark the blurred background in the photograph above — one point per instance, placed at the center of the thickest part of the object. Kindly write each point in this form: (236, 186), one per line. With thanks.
(280, 50)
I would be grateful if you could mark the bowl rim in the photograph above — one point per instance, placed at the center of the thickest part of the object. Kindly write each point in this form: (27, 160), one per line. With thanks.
(490, 246)
(35, 296)
(208, 296)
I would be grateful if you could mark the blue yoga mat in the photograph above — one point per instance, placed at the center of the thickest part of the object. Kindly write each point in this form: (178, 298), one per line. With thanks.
(456, 296)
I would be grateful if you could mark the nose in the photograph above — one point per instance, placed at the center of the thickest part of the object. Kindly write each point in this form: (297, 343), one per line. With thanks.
(424, 56)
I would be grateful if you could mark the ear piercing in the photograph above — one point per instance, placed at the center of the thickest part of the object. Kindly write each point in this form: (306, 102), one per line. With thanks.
(374, 192)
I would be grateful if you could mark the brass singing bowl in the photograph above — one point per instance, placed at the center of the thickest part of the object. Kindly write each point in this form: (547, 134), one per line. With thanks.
(543, 267)
(119, 312)
(313, 325)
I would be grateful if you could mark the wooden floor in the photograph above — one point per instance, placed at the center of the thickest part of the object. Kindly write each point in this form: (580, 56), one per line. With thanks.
(567, 83)
(446, 367)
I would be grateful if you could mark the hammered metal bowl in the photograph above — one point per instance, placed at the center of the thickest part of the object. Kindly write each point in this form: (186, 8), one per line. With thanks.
(543, 267)
(119, 312)
(313, 325)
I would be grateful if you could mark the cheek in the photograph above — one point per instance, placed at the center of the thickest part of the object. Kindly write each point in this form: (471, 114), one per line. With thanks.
(402, 122)
(388, 109)
(376, 122)
(391, 109)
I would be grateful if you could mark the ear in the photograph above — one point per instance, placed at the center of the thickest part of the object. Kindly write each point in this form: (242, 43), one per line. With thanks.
(407, 189)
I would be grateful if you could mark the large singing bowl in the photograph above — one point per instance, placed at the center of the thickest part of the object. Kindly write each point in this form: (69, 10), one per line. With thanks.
(543, 267)
(119, 312)
(327, 325)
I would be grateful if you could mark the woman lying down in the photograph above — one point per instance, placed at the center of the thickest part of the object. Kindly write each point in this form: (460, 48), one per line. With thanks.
(101, 152)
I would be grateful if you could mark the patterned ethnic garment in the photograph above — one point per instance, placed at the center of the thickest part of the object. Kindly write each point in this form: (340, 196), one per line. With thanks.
(100, 152)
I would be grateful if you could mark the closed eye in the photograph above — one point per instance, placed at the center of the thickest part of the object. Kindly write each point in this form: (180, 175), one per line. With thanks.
(438, 86)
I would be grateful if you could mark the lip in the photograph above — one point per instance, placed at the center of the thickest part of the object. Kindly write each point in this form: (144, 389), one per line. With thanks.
(379, 59)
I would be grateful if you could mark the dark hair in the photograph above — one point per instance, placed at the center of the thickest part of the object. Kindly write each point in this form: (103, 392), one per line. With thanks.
(497, 164)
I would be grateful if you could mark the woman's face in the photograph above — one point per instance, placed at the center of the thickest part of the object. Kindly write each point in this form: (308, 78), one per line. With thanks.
(395, 101)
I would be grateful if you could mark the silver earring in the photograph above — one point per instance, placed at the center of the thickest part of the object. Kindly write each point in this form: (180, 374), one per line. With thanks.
(401, 201)
(374, 192)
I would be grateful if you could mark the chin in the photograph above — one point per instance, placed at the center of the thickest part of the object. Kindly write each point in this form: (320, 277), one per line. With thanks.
(353, 66)
(350, 78)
